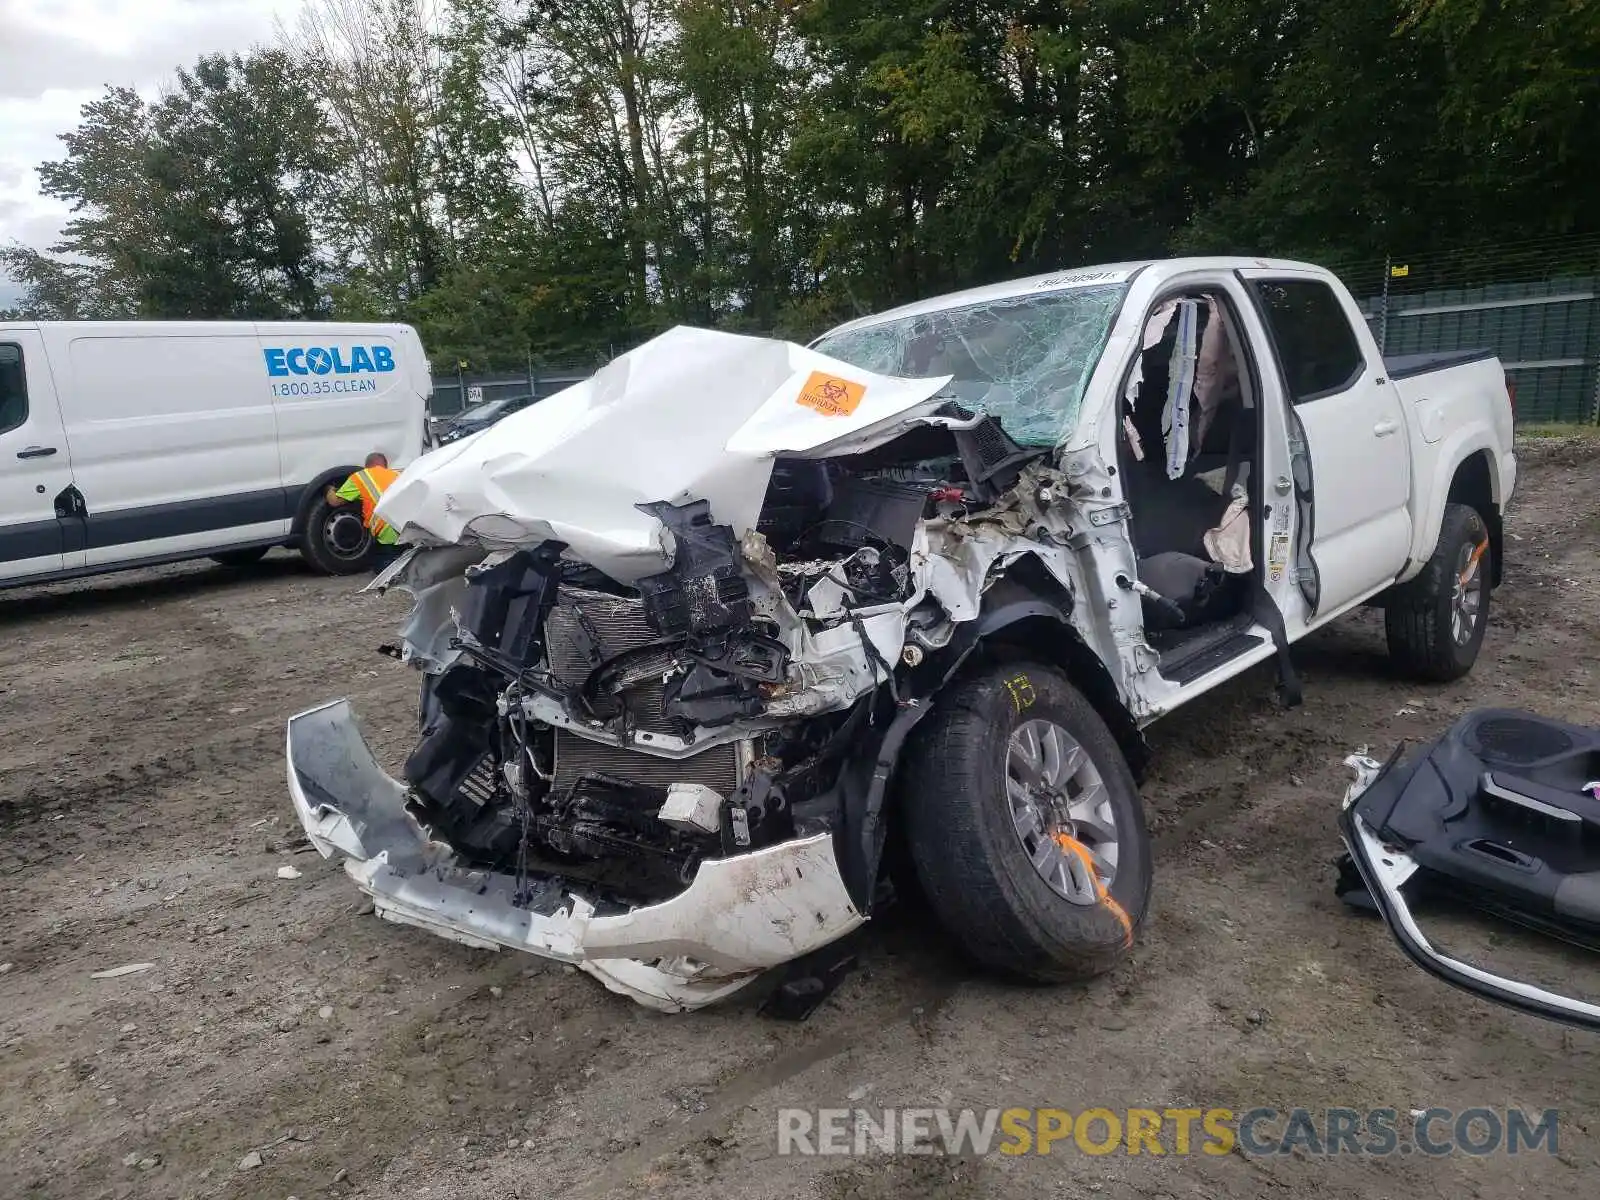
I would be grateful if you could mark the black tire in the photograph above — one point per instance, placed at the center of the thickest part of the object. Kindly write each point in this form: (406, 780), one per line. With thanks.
(241, 558)
(329, 544)
(1425, 641)
(969, 857)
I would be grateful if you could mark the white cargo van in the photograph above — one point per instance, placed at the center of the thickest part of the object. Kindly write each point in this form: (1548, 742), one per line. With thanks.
(126, 444)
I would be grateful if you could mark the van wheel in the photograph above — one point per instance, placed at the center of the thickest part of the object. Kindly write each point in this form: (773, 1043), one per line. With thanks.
(336, 540)
(241, 558)
(1435, 622)
(1026, 828)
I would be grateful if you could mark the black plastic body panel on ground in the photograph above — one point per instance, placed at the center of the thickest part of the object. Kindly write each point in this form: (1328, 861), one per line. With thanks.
(1496, 814)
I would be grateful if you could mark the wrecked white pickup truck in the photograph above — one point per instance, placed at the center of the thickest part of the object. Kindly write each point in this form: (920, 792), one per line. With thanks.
(699, 635)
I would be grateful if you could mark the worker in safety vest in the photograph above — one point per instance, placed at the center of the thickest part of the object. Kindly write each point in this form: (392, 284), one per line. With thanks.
(365, 487)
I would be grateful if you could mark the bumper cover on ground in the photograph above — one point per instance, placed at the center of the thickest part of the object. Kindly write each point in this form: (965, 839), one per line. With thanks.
(739, 917)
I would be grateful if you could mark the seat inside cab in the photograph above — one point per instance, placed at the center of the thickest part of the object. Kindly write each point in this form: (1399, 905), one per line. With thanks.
(1187, 453)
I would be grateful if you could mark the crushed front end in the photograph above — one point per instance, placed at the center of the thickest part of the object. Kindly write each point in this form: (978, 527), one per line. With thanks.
(737, 917)
(663, 756)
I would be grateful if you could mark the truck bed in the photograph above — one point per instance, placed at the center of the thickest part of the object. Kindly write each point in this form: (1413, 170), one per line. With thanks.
(1404, 366)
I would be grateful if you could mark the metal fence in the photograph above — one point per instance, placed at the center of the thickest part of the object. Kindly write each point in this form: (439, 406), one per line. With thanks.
(1547, 334)
(1535, 303)
(453, 393)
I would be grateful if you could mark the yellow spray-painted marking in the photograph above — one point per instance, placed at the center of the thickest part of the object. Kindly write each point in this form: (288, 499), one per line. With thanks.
(1073, 846)
(1022, 693)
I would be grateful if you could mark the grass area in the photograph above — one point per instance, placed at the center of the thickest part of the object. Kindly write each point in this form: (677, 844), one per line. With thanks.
(1534, 430)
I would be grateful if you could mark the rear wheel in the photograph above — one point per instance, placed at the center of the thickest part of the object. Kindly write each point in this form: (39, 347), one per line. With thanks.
(241, 558)
(336, 540)
(1435, 622)
(1026, 828)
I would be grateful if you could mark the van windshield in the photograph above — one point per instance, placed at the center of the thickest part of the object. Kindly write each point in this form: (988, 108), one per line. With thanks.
(1024, 360)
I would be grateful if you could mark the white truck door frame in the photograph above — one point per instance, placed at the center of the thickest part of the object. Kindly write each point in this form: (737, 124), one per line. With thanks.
(1352, 477)
(1269, 456)
(39, 533)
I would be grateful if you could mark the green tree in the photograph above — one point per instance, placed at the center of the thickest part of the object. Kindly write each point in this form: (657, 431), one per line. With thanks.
(104, 179)
(946, 142)
(596, 79)
(192, 207)
(1517, 98)
(376, 68)
(237, 148)
(52, 289)
(560, 178)
(741, 66)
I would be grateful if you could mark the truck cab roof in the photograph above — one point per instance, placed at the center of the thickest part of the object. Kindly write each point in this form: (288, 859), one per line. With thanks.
(1078, 277)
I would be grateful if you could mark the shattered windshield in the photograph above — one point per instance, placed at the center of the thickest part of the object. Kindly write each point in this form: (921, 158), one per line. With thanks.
(1024, 360)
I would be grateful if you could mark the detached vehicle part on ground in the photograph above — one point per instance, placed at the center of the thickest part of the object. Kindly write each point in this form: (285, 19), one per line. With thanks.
(702, 634)
(1500, 814)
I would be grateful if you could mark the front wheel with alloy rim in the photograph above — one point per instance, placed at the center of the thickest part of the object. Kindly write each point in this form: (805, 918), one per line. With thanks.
(1435, 622)
(336, 540)
(1026, 827)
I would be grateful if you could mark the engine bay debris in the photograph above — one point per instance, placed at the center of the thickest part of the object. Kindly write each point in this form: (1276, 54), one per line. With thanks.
(674, 626)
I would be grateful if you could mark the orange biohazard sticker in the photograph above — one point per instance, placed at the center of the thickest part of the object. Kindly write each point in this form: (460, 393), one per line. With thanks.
(830, 395)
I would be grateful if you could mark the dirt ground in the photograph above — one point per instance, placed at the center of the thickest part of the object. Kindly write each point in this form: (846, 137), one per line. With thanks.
(143, 819)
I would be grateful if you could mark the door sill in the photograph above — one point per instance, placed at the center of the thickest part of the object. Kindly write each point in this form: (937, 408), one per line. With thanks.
(1207, 648)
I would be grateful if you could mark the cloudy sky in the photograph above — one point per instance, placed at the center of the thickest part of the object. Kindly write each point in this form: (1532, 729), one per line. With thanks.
(57, 54)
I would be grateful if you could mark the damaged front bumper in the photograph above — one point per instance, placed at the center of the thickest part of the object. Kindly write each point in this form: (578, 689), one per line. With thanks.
(740, 916)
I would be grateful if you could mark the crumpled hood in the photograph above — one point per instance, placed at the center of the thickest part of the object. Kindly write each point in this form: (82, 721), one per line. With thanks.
(691, 415)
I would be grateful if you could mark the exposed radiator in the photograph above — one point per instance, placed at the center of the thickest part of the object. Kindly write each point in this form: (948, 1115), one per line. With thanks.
(584, 629)
(582, 619)
(717, 768)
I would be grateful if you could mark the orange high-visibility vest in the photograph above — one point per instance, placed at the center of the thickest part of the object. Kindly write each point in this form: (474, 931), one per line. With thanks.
(371, 482)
